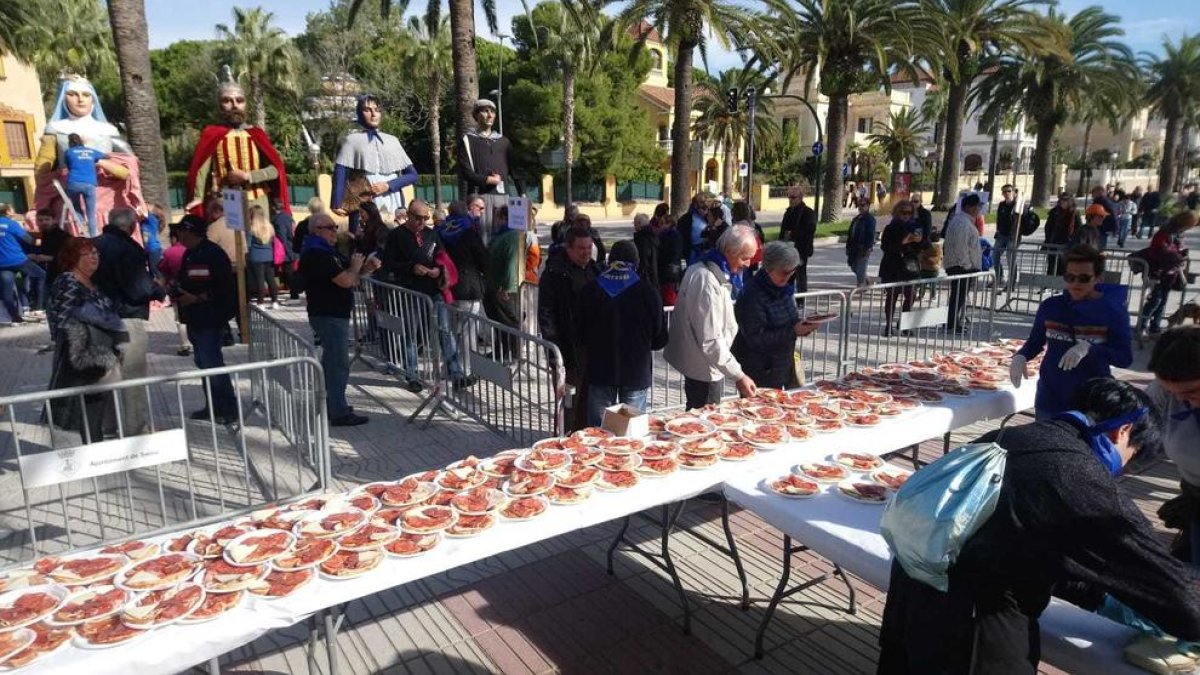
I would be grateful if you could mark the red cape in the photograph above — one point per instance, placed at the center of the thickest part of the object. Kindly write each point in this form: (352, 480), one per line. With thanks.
(207, 145)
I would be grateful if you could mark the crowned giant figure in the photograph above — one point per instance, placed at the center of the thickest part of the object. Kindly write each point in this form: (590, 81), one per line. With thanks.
(234, 154)
(77, 111)
(370, 165)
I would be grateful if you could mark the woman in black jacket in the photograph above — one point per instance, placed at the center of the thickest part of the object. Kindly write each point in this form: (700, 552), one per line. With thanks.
(901, 245)
(1061, 224)
(768, 321)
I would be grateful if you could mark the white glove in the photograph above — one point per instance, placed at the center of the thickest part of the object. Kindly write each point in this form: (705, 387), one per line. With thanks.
(1016, 370)
(1074, 355)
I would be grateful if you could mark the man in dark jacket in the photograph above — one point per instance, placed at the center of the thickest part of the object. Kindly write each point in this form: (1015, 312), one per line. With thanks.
(562, 282)
(125, 277)
(285, 227)
(485, 161)
(1061, 526)
(1006, 229)
(461, 237)
(799, 226)
(924, 218)
(1148, 210)
(1109, 226)
(410, 260)
(621, 325)
(207, 298)
(768, 320)
(647, 242)
(670, 262)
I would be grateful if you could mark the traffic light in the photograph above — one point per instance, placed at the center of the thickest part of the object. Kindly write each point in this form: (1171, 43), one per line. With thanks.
(732, 99)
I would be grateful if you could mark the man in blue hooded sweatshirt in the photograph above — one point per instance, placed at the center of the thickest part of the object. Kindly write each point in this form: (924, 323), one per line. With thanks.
(1085, 332)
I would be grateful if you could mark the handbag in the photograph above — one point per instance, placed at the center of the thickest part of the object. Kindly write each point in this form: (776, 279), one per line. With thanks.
(280, 254)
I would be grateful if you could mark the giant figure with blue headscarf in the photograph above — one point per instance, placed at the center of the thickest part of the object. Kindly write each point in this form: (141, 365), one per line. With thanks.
(370, 165)
(77, 110)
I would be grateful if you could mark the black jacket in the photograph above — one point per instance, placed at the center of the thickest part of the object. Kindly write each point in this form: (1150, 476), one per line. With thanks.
(298, 236)
(925, 220)
(1006, 218)
(800, 227)
(1061, 525)
(891, 267)
(766, 338)
(485, 156)
(621, 333)
(124, 274)
(646, 240)
(470, 256)
(558, 305)
(401, 254)
(670, 256)
(206, 269)
(1061, 226)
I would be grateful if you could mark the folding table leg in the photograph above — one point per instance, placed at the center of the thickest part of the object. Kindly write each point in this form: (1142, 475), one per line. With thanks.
(733, 553)
(946, 443)
(612, 548)
(331, 625)
(668, 520)
(780, 593)
(314, 636)
(852, 607)
(214, 666)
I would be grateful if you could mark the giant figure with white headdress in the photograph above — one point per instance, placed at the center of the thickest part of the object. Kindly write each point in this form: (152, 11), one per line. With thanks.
(370, 165)
(77, 110)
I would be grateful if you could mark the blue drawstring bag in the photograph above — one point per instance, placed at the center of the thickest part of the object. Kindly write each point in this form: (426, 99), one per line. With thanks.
(986, 263)
(938, 509)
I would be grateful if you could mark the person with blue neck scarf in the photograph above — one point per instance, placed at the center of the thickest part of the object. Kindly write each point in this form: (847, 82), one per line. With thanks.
(371, 163)
(1061, 527)
(1175, 363)
(704, 326)
(621, 325)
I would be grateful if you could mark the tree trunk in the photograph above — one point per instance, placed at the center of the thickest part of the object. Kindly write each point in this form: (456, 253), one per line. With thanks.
(681, 149)
(260, 104)
(466, 70)
(435, 135)
(730, 162)
(1041, 163)
(1086, 163)
(1166, 169)
(836, 121)
(939, 142)
(956, 110)
(991, 181)
(128, 19)
(568, 129)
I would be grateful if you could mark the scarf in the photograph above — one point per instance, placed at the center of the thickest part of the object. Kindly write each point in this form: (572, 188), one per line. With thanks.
(454, 227)
(718, 258)
(1188, 411)
(314, 242)
(618, 278)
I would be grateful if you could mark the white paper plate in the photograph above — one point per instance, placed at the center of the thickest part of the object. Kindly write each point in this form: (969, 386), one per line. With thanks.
(22, 637)
(56, 591)
(202, 579)
(291, 541)
(765, 486)
(89, 580)
(119, 580)
(333, 548)
(91, 593)
(545, 506)
(196, 605)
(437, 541)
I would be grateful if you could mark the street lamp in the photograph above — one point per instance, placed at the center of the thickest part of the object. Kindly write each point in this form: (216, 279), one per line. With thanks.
(499, 91)
(1113, 158)
(818, 147)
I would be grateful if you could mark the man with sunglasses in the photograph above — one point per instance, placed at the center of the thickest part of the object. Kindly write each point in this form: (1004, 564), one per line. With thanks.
(1006, 229)
(1083, 330)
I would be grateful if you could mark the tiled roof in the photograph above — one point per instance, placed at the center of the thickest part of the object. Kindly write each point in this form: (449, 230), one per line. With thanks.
(661, 96)
(644, 27)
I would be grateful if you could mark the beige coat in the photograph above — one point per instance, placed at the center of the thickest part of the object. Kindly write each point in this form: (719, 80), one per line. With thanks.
(703, 326)
(220, 234)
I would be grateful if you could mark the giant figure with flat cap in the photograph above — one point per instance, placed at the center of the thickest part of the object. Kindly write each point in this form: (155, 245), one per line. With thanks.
(485, 162)
(370, 165)
(77, 111)
(234, 154)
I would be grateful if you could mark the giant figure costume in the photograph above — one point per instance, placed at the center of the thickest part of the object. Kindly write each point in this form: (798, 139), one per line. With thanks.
(77, 111)
(235, 146)
(369, 157)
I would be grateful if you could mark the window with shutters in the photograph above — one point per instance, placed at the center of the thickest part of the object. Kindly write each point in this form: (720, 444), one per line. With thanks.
(16, 137)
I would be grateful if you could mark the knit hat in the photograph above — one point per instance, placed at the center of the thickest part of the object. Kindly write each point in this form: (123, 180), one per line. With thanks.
(1096, 210)
(483, 103)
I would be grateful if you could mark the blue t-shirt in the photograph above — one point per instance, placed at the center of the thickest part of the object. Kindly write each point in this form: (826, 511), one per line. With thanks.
(81, 164)
(150, 233)
(11, 236)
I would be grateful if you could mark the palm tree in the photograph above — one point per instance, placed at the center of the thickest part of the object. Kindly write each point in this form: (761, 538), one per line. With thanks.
(426, 51)
(727, 129)
(262, 53)
(131, 37)
(77, 39)
(1080, 69)
(1174, 95)
(965, 32)
(685, 26)
(567, 36)
(14, 16)
(901, 137)
(852, 45)
(933, 111)
(462, 36)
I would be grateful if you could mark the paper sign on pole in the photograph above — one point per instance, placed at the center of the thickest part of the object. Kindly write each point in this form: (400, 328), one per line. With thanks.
(102, 458)
(518, 213)
(235, 209)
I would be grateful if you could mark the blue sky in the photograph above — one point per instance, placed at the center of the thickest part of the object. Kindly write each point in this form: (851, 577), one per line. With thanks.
(1145, 21)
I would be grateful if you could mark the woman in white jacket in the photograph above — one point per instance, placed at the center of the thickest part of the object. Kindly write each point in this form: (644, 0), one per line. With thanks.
(703, 326)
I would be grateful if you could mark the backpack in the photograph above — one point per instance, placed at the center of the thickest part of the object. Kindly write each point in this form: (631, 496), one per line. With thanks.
(986, 263)
(1030, 221)
(940, 507)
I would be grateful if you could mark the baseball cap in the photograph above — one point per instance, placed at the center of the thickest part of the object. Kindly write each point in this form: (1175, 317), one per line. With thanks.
(191, 223)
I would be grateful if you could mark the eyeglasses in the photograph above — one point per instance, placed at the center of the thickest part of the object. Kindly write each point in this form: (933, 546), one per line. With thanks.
(415, 216)
(1078, 278)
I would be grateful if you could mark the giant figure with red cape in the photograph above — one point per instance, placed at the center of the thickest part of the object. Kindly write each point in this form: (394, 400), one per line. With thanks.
(234, 154)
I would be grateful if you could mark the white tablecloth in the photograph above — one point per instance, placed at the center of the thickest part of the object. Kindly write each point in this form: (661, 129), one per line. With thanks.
(847, 533)
(170, 649)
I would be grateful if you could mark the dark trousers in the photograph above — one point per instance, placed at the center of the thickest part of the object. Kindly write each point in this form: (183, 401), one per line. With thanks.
(959, 290)
(802, 276)
(699, 393)
(507, 312)
(263, 273)
(206, 346)
(889, 302)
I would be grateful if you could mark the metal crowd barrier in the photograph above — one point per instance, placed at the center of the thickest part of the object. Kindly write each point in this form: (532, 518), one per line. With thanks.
(820, 353)
(85, 480)
(285, 394)
(1033, 272)
(396, 328)
(928, 316)
(518, 389)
